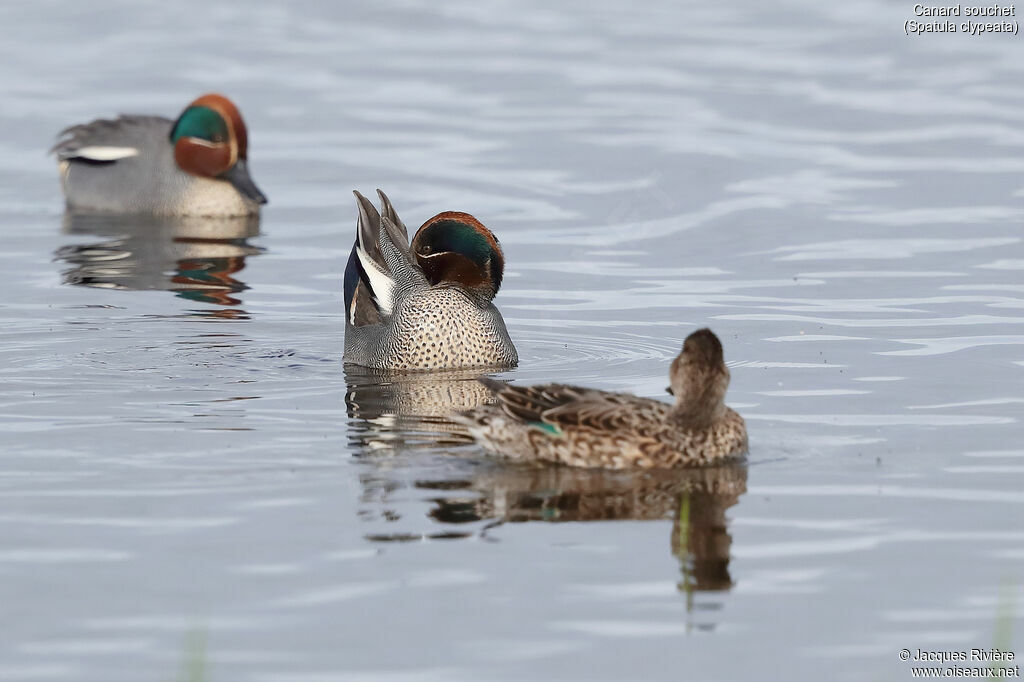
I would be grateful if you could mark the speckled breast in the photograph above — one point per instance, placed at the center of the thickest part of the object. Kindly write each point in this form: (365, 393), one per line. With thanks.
(443, 329)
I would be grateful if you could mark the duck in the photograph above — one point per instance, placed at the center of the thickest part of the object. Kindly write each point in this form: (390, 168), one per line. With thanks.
(196, 165)
(584, 427)
(426, 304)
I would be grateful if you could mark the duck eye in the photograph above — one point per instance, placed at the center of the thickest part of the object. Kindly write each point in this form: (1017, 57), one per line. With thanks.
(217, 137)
(427, 249)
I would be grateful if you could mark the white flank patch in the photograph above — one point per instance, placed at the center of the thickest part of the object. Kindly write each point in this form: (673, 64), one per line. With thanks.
(106, 153)
(381, 284)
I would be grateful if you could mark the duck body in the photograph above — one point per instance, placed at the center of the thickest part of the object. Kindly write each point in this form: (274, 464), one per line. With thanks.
(584, 427)
(194, 166)
(425, 305)
(438, 328)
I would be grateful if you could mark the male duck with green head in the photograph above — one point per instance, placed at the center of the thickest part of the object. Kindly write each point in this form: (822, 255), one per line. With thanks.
(194, 166)
(427, 304)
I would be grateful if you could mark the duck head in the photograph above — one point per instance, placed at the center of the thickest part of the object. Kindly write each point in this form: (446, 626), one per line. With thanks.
(210, 140)
(456, 248)
(698, 379)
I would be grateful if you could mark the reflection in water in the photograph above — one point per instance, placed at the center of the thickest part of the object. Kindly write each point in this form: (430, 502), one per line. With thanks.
(197, 258)
(695, 499)
(410, 409)
(395, 412)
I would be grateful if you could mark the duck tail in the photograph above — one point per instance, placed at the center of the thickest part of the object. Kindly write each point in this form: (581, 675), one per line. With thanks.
(380, 264)
(369, 287)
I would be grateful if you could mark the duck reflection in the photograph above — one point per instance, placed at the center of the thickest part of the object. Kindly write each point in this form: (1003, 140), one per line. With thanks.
(695, 499)
(400, 410)
(394, 413)
(196, 258)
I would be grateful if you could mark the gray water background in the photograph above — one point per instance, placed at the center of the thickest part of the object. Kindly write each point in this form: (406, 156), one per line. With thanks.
(183, 474)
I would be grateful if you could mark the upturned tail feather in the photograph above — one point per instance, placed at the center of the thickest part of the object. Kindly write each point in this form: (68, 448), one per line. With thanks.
(380, 262)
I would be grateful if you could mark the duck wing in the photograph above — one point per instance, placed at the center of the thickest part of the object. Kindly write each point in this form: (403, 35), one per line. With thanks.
(109, 140)
(562, 405)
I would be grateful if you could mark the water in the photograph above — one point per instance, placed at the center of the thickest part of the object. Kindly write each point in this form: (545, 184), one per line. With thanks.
(188, 472)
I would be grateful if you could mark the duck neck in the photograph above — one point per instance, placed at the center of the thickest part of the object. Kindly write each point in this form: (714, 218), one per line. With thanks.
(480, 297)
(698, 411)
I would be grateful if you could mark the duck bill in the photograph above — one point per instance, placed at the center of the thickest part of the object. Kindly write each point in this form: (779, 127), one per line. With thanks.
(238, 176)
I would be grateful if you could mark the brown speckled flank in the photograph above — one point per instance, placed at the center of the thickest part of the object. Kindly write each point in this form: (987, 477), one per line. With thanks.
(589, 428)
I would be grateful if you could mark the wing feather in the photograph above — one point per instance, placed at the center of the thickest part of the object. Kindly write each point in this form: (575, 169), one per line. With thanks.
(109, 140)
(564, 405)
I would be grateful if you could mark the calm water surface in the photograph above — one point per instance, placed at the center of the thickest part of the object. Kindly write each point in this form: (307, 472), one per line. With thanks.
(188, 471)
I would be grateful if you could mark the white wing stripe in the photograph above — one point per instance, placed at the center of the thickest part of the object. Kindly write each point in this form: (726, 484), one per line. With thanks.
(382, 285)
(104, 153)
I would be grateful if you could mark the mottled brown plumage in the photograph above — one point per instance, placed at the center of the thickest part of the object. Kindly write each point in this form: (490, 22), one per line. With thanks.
(591, 428)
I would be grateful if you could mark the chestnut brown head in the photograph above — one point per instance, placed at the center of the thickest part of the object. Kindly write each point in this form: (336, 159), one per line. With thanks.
(456, 248)
(210, 140)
